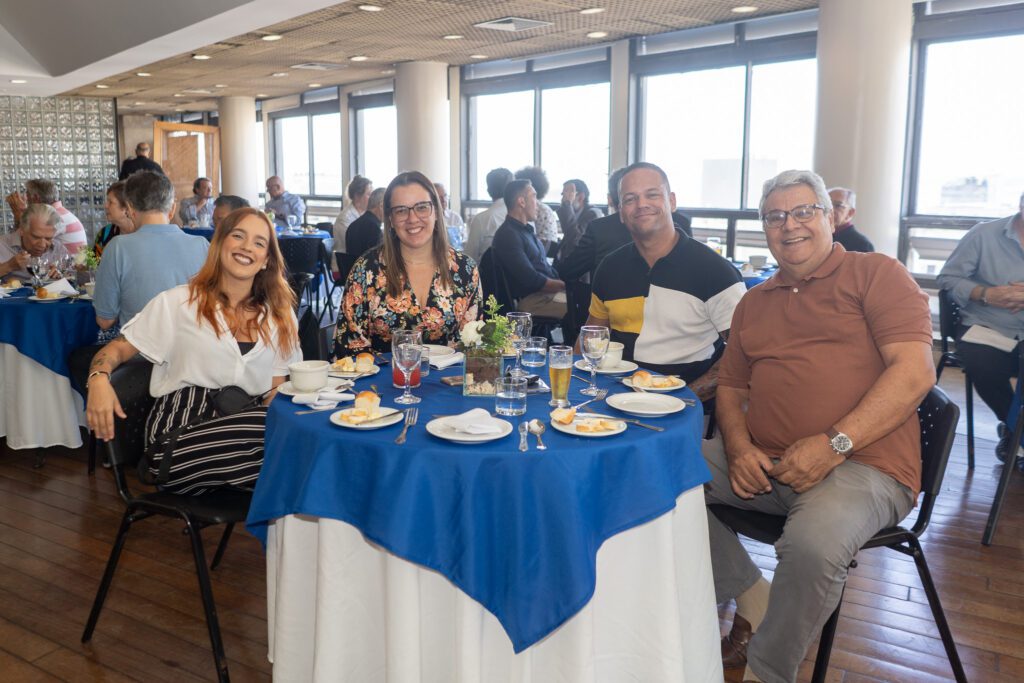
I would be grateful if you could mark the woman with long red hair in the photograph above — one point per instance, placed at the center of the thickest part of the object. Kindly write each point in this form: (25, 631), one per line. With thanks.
(233, 324)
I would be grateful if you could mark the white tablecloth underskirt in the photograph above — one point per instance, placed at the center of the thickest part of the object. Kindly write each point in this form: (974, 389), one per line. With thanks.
(38, 407)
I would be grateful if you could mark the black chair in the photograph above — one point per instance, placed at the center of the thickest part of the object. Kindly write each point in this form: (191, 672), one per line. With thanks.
(230, 507)
(1011, 460)
(494, 281)
(938, 416)
(344, 262)
(302, 257)
(949, 321)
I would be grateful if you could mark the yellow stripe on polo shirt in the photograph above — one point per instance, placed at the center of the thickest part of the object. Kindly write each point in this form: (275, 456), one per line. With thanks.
(625, 315)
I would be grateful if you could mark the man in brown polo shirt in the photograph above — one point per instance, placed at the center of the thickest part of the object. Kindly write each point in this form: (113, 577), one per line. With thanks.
(825, 366)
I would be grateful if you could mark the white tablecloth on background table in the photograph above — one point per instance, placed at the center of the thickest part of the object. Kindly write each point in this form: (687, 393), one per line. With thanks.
(38, 407)
(342, 609)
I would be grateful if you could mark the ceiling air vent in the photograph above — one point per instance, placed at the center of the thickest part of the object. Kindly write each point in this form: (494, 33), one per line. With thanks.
(512, 24)
(319, 66)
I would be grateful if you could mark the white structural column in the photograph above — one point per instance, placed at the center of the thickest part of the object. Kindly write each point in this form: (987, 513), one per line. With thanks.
(863, 75)
(240, 148)
(421, 103)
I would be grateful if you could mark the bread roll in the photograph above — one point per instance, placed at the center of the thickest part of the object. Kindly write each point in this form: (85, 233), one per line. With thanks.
(368, 401)
(345, 364)
(563, 415)
(364, 362)
(641, 378)
(41, 293)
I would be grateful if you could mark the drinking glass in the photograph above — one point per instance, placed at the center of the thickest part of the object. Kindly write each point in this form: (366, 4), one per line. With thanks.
(35, 267)
(522, 325)
(424, 361)
(292, 221)
(534, 352)
(510, 398)
(397, 379)
(406, 356)
(593, 346)
(560, 370)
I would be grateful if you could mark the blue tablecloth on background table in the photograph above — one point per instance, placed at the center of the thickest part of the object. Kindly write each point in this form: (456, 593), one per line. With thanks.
(758, 278)
(517, 532)
(208, 233)
(47, 332)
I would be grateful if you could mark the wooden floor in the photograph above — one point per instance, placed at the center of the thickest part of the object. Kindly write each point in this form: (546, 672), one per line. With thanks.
(57, 525)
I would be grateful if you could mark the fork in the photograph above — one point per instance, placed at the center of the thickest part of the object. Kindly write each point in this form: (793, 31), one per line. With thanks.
(601, 393)
(411, 415)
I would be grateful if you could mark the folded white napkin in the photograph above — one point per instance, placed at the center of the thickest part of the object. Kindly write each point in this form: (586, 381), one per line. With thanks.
(322, 399)
(3, 294)
(442, 362)
(476, 421)
(61, 286)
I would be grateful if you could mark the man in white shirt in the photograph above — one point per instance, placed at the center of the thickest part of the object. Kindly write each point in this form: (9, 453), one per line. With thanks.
(359, 195)
(197, 210)
(34, 237)
(456, 226)
(70, 231)
(483, 225)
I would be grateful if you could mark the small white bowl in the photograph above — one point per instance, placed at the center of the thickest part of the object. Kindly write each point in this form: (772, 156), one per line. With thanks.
(613, 356)
(309, 375)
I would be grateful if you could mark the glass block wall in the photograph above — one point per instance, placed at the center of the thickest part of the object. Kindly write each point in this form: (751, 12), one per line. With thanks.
(70, 140)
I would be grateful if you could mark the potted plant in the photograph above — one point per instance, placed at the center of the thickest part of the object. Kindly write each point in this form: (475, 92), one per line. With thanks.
(483, 343)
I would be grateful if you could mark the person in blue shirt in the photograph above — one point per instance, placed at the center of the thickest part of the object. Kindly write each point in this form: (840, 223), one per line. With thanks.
(283, 204)
(154, 258)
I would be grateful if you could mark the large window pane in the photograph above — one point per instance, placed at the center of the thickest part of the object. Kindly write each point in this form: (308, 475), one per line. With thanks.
(377, 144)
(291, 136)
(327, 154)
(501, 135)
(574, 137)
(782, 117)
(972, 140)
(693, 129)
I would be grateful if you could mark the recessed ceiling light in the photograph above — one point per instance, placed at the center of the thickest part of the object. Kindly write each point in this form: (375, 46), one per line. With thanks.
(102, 86)
(18, 80)
(279, 74)
(388, 72)
(179, 109)
(315, 85)
(220, 85)
(178, 94)
(592, 10)
(478, 56)
(452, 36)
(143, 74)
(370, 8)
(138, 104)
(597, 34)
(744, 9)
(261, 94)
(271, 37)
(358, 58)
(200, 57)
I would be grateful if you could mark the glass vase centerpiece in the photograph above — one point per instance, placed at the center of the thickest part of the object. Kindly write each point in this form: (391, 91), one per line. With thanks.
(483, 343)
(85, 263)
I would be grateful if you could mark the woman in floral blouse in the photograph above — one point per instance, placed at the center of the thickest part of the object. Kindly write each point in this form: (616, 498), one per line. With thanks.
(413, 280)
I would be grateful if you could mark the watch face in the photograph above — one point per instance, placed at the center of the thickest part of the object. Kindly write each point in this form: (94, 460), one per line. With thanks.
(842, 443)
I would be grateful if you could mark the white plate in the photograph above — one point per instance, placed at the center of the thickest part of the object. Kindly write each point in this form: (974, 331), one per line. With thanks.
(623, 366)
(439, 428)
(49, 299)
(648, 405)
(628, 381)
(332, 372)
(571, 427)
(438, 351)
(288, 389)
(393, 417)
(84, 297)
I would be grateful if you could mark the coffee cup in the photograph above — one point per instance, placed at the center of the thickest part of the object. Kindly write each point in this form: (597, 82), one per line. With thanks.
(612, 357)
(90, 287)
(758, 261)
(309, 375)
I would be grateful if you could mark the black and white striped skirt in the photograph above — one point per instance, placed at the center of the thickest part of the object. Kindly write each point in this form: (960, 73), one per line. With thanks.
(218, 452)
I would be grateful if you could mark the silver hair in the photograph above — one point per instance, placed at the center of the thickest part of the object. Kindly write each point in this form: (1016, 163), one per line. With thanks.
(851, 196)
(45, 190)
(788, 179)
(149, 191)
(377, 198)
(45, 211)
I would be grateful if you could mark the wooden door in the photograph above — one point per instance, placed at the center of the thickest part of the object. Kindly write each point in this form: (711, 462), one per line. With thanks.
(187, 151)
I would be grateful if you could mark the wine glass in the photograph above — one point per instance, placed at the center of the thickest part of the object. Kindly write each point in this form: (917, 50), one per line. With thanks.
(293, 221)
(593, 345)
(406, 352)
(36, 266)
(522, 325)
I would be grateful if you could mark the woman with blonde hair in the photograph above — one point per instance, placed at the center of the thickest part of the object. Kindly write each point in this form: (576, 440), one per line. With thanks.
(232, 325)
(414, 280)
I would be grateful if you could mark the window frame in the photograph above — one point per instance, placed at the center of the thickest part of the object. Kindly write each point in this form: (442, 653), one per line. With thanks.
(307, 110)
(356, 104)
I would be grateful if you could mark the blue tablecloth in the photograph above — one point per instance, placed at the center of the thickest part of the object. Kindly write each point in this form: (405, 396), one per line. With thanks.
(47, 332)
(208, 233)
(517, 532)
(758, 278)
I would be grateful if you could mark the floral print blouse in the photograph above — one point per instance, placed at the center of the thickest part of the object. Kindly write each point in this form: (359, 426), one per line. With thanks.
(370, 314)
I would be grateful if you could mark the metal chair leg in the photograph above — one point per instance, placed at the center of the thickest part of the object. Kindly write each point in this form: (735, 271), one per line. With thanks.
(40, 459)
(937, 611)
(969, 389)
(828, 635)
(222, 546)
(206, 592)
(108, 576)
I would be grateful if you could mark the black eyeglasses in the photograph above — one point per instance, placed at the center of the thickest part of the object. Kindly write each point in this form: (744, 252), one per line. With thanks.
(400, 214)
(774, 220)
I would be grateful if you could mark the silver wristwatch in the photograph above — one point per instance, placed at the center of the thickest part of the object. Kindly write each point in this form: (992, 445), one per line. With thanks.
(841, 443)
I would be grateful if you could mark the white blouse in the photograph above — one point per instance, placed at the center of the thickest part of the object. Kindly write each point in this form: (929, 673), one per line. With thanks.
(187, 352)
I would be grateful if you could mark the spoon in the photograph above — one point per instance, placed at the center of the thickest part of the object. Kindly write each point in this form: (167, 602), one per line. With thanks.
(537, 428)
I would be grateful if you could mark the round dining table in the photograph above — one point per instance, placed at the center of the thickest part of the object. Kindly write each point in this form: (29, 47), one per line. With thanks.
(39, 408)
(436, 560)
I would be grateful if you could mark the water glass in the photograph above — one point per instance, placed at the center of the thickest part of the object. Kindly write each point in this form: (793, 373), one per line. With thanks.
(534, 353)
(411, 337)
(510, 398)
(593, 344)
(424, 361)
(522, 324)
(560, 370)
(405, 353)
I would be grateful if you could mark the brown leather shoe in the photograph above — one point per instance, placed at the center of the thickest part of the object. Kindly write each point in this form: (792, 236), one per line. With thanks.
(734, 645)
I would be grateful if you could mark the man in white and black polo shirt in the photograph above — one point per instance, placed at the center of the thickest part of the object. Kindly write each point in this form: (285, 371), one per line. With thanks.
(668, 298)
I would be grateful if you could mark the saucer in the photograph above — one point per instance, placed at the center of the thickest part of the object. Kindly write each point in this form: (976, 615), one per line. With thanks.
(623, 366)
